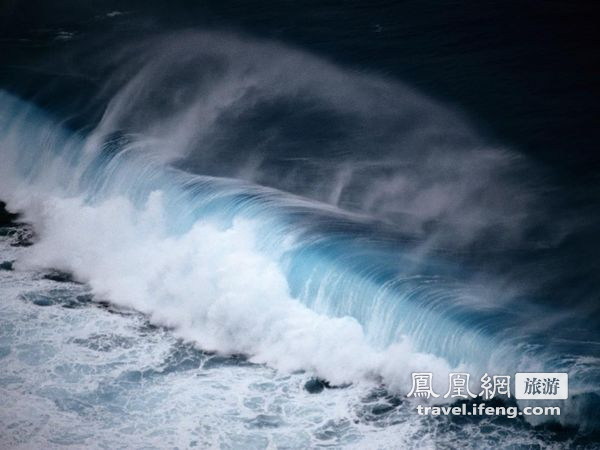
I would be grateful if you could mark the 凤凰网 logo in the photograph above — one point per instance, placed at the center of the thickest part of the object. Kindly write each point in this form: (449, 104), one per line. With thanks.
(534, 386)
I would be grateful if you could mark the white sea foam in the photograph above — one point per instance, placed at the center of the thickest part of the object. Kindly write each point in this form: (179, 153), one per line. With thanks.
(212, 287)
(86, 378)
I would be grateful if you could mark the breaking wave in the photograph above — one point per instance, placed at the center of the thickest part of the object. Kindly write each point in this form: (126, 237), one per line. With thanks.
(344, 267)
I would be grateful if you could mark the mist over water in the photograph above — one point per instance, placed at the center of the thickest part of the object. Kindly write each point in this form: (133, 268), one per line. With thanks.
(232, 106)
(256, 199)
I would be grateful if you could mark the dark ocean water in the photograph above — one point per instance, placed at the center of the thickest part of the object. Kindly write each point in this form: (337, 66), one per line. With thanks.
(441, 154)
(525, 72)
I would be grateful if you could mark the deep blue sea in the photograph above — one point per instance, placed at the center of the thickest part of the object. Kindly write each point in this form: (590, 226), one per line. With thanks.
(245, 225)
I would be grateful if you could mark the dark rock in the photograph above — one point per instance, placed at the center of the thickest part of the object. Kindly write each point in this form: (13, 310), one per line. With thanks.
(59, 276)
(316, 385)
(6, 265)
(7, 218)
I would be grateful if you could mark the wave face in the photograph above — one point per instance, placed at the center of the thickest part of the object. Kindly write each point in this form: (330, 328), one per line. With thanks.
(352, 266)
